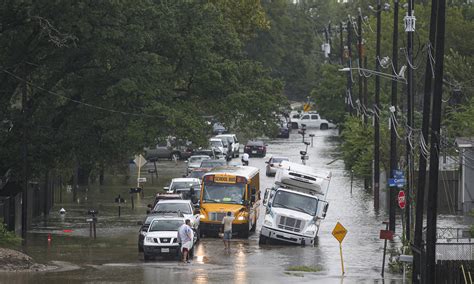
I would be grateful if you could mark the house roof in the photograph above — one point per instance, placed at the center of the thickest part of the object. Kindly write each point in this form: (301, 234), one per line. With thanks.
(465, 142)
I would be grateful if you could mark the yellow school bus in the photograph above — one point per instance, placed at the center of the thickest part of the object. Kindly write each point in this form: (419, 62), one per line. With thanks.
(230, 189)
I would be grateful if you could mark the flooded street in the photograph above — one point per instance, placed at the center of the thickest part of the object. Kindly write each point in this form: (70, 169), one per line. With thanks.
(113, 256)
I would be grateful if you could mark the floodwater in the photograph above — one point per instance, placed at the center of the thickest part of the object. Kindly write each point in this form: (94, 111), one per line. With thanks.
(113, 256)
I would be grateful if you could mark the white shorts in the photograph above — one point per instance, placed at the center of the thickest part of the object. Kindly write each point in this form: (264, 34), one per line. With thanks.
(187, 245)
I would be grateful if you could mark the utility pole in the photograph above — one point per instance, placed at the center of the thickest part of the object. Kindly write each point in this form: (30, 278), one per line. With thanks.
(410, 29)
(24, 154)
(434, 150)
(359, 49)
(420, 196)
(393, 133)
(376, 117)
(349, 64)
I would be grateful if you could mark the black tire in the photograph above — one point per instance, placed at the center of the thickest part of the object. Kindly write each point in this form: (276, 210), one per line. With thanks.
(323, 126)
(262, 240)
(200, 234)
(294, 125)
(147, 257)
(140, 248)
(267, 174)
(191, 253)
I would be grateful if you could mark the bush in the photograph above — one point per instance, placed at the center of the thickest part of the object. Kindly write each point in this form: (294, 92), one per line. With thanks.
(8, 238)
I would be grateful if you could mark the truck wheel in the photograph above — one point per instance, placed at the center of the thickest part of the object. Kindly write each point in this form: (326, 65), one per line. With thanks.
(294, 125)
(323, 126)
(140, 248)
(262, 240)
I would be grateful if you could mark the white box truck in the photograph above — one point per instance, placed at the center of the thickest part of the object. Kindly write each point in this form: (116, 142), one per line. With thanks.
(296, 204)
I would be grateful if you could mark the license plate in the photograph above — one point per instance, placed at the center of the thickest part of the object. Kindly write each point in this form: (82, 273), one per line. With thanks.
(165, 250)
(254, 152)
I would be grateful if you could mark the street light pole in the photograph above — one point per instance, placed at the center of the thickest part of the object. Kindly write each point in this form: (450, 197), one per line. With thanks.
(393, 133)
(349, 64)
(359, 49)
(376, 118)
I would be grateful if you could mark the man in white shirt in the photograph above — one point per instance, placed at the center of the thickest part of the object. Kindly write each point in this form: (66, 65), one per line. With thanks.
(185, 238)
(227, 222)
(245, 159)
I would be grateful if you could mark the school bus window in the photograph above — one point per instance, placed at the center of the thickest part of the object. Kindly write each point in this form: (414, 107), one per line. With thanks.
(224, 193)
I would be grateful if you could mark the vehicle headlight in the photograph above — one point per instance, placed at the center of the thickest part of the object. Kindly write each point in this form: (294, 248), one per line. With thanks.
(143, 233)
(309, 233)
(241, 218)
(149, 239)
(202, 216)
(268, 221)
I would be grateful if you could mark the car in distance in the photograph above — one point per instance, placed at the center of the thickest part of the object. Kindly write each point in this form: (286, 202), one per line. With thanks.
(255, 148)
(162, 237)
(232, 139)
(312, 120)
(208, 165)
(283, 132)
(194, 161)
(179, 183)
(272, 165)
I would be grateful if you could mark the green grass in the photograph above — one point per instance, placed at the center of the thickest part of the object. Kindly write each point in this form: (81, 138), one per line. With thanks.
(304, 268)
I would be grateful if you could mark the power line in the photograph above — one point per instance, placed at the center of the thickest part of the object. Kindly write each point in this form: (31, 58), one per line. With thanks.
(79, 102)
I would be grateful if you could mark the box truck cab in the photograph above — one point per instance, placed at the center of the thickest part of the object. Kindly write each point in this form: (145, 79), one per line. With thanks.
(295, 206)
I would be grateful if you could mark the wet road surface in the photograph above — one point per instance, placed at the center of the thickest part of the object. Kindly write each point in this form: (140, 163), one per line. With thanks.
(113, 256)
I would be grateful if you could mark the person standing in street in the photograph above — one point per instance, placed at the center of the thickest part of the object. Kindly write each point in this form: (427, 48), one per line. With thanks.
(227, 223)
(185, 238)
(245, 159)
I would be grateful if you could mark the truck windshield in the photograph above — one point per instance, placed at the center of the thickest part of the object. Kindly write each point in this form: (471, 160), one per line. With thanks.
(297, 202)
(165, 225)
(224, 193)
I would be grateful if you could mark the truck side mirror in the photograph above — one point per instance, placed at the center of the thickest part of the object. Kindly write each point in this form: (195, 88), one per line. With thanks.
(325, 210)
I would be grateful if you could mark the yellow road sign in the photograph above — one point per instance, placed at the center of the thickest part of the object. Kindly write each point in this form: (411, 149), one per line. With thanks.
(306, 107)
(339, 232)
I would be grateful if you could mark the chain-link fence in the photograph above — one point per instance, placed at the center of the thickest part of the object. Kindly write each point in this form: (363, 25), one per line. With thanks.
(455, 251)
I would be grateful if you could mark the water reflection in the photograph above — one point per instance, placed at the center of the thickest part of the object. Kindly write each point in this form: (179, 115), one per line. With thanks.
(240, 269)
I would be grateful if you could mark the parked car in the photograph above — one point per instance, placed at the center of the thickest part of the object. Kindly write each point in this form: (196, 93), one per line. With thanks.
(169, 148)
(194, 161)
(283, 132)
(180, 183)
(162, 237)
(218, 128)
(184, 207)
(208, 165)
(272, 165)
(312, 120)
(217, 143)
(255, 148)
(213, 153)
(232, 139)
(143, 230)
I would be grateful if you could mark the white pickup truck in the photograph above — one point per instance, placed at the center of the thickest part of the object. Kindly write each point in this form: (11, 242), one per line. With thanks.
(311, 120)
(296, 205)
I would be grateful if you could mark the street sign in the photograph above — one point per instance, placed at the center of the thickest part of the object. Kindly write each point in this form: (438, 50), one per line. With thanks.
(141, 180)
(401, 199)
(140, 161)
(394, 182)
(339, 232)
(397, 174)
(306, 107)
(386, 235)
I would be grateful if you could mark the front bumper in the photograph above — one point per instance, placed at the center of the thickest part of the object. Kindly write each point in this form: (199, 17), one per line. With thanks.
(215, 228)
(161, 250)
(287, 237)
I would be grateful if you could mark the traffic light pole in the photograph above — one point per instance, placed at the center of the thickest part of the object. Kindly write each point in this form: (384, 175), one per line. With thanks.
(376, 184)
